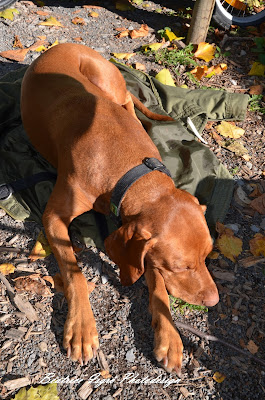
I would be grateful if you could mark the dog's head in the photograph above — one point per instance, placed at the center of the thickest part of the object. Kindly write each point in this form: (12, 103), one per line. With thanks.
(172, 236)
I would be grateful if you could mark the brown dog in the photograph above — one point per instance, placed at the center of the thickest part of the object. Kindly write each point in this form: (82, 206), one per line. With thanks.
(80, 117)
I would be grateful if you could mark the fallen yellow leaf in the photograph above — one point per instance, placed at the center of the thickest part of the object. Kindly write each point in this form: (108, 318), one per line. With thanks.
(9, 13)
(257, 245)
(257, 69)
(228, 244)
(152, 46)
(165, 77)
(229, 130)
(48, 392)
(93, 14)
(213, 255)
(237, 148)
(170, 35)
(41, 248)
(205, 51)
(51, 21)
(7, 269)
(219, 377)
(123, 5)
(123, 56)
(216, 70)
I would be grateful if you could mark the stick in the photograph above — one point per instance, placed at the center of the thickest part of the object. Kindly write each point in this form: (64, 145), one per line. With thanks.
(212, 338)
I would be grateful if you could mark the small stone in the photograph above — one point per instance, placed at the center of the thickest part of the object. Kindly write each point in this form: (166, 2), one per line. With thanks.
(243, 52)
(234, 82)
(104, 279)
(254, 228)
(235, 318)
(130, 357)
(42, 363)
(249, 165)
(31, 359)
(234, 227)
(43, 346)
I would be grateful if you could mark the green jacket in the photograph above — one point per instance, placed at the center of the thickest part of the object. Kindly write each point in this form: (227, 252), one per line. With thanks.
(192, 165)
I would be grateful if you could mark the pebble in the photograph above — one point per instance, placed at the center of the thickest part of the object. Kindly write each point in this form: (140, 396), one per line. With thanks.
(254, 228)
(234, 82)
(234, 227)
(31, 359)
(249, 165)
(104, 279)
(130, 355)
(243, 52)
(43, 346)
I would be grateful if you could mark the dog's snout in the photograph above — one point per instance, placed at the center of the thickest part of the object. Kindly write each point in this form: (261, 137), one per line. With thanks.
(210, 299)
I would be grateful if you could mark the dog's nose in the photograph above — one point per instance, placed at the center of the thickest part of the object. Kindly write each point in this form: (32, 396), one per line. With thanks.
(210, 299)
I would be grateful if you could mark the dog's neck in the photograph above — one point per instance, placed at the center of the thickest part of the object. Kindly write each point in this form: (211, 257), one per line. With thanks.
(146, 190)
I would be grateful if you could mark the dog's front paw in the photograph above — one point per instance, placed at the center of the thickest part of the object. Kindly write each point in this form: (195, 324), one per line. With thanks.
(80, 336)
(169, 349)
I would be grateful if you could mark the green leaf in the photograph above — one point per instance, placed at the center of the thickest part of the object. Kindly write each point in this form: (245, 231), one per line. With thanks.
(9, 13)
(261, 58)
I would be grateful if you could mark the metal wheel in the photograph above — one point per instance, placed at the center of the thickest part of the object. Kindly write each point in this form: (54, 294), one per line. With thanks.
(239, 12)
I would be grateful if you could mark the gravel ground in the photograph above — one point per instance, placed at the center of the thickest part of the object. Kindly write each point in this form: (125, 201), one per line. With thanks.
(33, 350)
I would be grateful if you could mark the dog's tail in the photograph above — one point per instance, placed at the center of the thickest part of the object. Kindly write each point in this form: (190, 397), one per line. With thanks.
(139, 105)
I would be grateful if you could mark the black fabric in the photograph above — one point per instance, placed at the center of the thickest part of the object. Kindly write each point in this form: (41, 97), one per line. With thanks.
(126, 181)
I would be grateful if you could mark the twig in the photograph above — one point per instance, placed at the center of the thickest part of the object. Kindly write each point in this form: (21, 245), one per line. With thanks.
(9, 288)
(212, 338)
(4, 249)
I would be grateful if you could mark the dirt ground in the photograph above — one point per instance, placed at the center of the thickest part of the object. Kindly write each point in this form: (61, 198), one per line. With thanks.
(34, 350)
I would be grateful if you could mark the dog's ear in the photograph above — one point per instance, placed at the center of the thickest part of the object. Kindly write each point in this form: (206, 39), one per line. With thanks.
(127, 247)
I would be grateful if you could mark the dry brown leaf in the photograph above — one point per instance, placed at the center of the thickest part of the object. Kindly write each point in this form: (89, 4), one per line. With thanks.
(139, 66)
(141, 32)
(252, 347)
(44, 13)
(78, 39)
(78, 21)
(15, 55)
(228, 244)
(122, 34)
(257, 245)
(97, 7)
(259, 204)
(17, 42)
(32, 284)
(199, 71)
(256, 89)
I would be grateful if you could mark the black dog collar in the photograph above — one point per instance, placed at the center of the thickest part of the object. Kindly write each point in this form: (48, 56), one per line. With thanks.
(126, 181)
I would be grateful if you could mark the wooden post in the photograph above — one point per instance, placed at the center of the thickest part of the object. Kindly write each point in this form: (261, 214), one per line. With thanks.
(201, 17)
